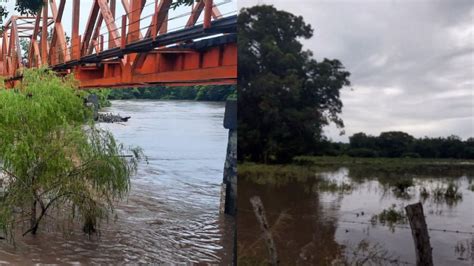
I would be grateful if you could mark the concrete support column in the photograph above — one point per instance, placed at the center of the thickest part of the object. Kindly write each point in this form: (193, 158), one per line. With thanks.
(230, 167)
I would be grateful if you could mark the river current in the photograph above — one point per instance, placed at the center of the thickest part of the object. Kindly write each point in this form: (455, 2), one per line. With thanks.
(172, 212)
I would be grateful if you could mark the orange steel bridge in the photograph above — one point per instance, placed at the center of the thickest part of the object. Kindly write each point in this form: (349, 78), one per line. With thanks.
(130, 53)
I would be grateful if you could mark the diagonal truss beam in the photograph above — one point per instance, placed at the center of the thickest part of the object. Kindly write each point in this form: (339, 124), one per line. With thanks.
(95, 35)
(17, 43)
(195, 13)
(128, 10)
(34, 51)
(108, 17)
(157, 23)
(90, 27)
(44, 33)
(59, 37)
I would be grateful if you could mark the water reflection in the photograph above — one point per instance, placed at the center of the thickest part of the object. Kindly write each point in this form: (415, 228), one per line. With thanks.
(289, 207)
(338, 212)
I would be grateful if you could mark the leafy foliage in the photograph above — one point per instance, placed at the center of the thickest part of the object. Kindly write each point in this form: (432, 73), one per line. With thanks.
(177, 3)
(103, 96)
(53, 157)
(198, 93)
(285, 96)
(3, 14)
(25, 48)
(28, 7)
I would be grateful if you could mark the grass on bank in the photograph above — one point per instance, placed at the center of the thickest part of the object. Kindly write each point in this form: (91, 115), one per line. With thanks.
(392, 166)
(395, 173)
(306, 166)
(387, 162)
(274, 174)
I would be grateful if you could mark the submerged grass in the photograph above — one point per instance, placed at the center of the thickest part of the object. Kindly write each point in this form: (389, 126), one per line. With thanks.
(392, 166)
(390, 216)
(278, 175)
(402, 185)
(275, 174)
(332, 186)
(450, 194)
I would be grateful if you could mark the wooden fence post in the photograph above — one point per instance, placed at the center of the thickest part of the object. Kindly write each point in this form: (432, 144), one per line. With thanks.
(267, 235)
(419, 231)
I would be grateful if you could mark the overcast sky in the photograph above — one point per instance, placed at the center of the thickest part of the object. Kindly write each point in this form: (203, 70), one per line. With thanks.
(412, 62)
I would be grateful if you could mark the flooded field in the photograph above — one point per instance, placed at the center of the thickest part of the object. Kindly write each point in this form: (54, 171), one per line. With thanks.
(353, 216)
(172, 212)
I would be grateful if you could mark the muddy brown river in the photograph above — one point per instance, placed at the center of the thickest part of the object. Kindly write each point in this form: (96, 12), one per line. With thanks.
(332, 224)
(172, 212)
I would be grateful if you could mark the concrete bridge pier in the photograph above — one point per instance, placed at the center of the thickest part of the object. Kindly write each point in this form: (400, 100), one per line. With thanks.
(230, 167)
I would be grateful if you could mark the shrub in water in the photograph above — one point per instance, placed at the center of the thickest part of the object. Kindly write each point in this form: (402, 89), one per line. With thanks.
(53, 157)
(390, 216)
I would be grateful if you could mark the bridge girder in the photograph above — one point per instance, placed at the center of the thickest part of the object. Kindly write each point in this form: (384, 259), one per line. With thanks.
(128, 57)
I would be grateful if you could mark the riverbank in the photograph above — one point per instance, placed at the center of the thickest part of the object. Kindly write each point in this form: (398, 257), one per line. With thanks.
(188, 93)
(194, 93)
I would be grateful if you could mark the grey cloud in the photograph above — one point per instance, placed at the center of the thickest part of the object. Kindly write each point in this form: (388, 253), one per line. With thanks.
(412, 62)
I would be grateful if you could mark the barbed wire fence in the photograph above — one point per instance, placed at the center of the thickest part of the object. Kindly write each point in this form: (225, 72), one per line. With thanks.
(363, 256)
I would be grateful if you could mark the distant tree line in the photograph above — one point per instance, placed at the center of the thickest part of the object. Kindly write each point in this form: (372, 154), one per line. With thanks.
(397, 144)
(197, 93)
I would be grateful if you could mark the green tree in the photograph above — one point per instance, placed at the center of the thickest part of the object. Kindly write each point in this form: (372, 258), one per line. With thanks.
(28, 7)
(285, 96)
(177, 3)
(54, 158)
(468, 151)
(394, 143)
(3, 14)
(25, 47)
(361, 140)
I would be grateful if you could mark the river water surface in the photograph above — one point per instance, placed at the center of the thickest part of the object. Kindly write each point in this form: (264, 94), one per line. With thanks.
(172, 212)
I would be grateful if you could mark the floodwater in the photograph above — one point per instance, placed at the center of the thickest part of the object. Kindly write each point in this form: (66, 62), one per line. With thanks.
(314, 223)
(172, 212)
